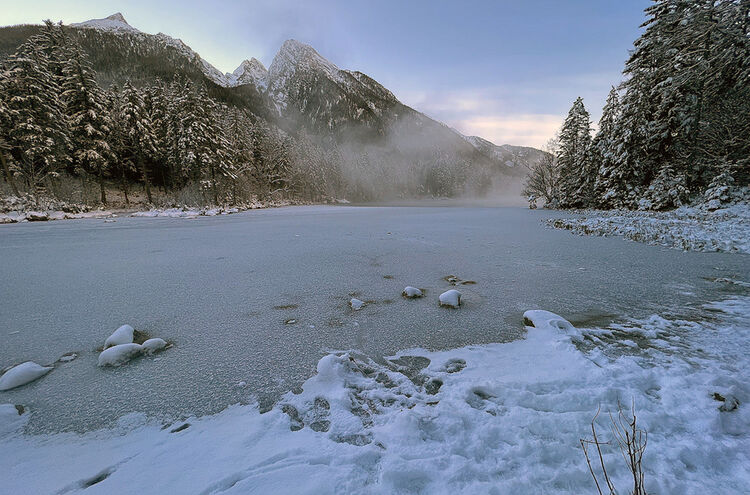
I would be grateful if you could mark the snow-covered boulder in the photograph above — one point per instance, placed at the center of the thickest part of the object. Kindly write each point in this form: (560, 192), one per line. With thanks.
(22, 374)
(119, 354)
(450, 299)
(123, 335)
(539, 318)
(411, 292)
(155, 345)
(356, 304)
(37, 216)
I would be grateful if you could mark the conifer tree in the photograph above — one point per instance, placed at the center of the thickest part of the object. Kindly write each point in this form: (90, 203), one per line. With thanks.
(138, 132)
(88, 116)
(572, 156)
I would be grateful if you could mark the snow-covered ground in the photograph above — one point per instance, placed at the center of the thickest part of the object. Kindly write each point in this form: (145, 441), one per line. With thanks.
(497, 418)
(694, 229)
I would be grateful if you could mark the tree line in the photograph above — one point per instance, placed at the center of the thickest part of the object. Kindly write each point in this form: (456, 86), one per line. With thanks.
(676, 130)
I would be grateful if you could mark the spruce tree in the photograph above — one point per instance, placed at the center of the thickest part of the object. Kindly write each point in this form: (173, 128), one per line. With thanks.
(138, 133)
(572, 156)
(89, 120)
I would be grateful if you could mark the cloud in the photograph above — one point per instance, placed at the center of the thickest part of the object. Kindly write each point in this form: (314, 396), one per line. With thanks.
(518, 129)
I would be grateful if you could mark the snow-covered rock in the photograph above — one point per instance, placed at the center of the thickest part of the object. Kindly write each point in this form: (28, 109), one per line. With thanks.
(538, 318)
(37, 216)
(154, 345)
(356, 304)
(119, 354)
(22, 374)
(123, 335)
(411, 292)
(450, 299)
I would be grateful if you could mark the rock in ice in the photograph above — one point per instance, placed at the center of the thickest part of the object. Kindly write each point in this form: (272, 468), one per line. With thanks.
(152, 346)
(450, 299)
(123, 335)
(119, 354)
(411, 292)
(22, 374)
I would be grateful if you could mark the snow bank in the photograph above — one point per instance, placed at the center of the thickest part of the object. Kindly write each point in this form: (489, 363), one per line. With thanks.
(689, 229)
(22, 374)
(411, 292)
(499, 418)
(450, 299)
(123, 335)
(119, 354)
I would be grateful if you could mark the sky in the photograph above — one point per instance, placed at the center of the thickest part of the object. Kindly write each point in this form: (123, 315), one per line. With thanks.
(507, 71)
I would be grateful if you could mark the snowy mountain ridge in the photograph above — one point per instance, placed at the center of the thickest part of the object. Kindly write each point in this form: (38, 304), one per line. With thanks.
(318, 89)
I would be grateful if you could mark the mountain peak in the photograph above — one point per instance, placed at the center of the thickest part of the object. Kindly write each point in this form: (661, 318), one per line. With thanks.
(297, 55)
(116, 22)
(249, 72)
(117, 17)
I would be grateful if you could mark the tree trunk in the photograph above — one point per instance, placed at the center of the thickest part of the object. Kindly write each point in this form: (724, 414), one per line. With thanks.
(146, 183)
(125, 187)
(213, 185)
(101, 187)
(8, 175)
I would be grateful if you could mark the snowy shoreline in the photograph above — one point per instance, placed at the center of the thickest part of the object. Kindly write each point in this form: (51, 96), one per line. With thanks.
(687, 228)
(479, 419)
(22, 216)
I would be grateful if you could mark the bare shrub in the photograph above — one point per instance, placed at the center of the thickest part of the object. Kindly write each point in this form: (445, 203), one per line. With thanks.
(631, 441)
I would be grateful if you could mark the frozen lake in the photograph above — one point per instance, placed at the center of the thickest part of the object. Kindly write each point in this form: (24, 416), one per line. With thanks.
(223, 288)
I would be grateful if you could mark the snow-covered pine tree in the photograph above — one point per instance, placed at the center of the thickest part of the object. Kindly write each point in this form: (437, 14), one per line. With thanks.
(200, 142)
(5, 127)
(88, 117)
(38, 138)
(603, 156)
(239, 152)
(122, 166)
(572, 157)
(138, 132)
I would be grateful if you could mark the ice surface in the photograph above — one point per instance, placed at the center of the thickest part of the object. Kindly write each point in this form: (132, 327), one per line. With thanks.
(123, 335)
(508, 419)
(22, 374)
(211, 285)
(119, 354)
(450, 298)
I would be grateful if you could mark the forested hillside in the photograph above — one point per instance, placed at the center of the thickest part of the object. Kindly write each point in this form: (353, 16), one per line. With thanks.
(103, 103)
(676, 130)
